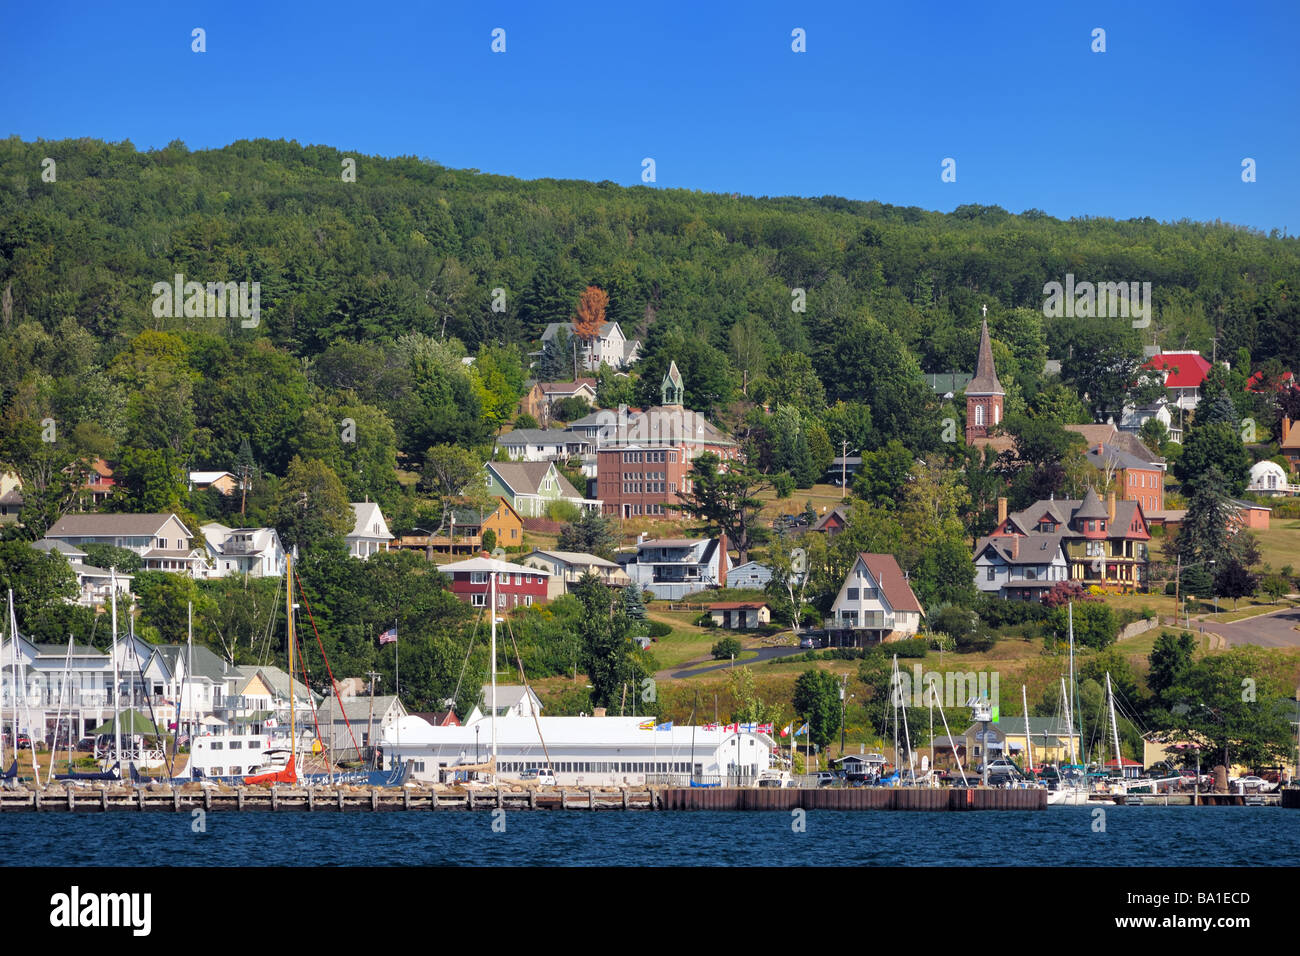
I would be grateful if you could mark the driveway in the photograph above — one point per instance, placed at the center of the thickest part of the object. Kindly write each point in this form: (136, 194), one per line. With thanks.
(764, 654)
(1276, 629)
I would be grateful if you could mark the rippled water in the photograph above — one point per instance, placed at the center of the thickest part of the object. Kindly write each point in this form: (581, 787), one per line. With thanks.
(1132, 836)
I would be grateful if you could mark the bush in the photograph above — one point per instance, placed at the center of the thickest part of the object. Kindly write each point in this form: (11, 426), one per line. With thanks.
(563, 511)
(524, 420)
(705, 620)
(659, 629)
(726, 648)
(914, 647)
(998, 613)
(489, 540)
(783, 485)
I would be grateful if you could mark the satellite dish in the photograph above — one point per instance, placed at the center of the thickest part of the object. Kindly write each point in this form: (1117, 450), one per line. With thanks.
(499, 553)
(798, 560)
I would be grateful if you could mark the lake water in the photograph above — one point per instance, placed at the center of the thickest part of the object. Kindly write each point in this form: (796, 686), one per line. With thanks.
(1069, 836)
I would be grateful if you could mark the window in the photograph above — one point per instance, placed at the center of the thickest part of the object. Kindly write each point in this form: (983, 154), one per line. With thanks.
(217, 745)
(235, 771)
(254, 745)
(528, 600)
(991, 573)
(478, 600)
(852, 594)
(501, 600)
(478, 577)
(979, 414)
(236, 745)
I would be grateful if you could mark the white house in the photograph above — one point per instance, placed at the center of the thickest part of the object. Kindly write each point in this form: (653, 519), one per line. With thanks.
(566, 569)
(94, 585)
(513, 700)
(370, 533)
(359, 722)
(162, 542)
(1021, 567)
(674, 567)
(544, 444)
(610, 347)
(874, 603)
(1270, 478)
(185, 682)
(256, 552)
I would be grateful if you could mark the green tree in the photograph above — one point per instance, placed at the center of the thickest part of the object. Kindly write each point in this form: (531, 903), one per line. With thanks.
(726, 648)
(1214, 446)
(607, 649)
(590, 532)
(816, 700)
(312, 505)
(38, 579)
(727, 502)
(1171, 660)
(448, 471)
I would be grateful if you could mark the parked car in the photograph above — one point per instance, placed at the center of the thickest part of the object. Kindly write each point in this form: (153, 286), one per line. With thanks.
(823, 778)
(1000, 766)
(806, 642)
(24, 742)
(86, 745)
(1252, 782)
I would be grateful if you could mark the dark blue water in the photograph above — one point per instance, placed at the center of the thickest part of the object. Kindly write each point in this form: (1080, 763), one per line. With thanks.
(1133, 836)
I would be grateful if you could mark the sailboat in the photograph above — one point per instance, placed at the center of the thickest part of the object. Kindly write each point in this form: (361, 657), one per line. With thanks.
(273, 773)
(115, 771)
(1070, 792)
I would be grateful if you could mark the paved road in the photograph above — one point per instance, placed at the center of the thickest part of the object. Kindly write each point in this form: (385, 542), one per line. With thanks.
(1270, 630)
(764, 654)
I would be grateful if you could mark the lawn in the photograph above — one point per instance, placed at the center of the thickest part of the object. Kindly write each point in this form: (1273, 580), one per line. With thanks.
(1279, 546)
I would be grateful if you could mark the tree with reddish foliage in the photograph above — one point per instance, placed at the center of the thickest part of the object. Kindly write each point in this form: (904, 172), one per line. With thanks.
(1063, 592)
(591, 313)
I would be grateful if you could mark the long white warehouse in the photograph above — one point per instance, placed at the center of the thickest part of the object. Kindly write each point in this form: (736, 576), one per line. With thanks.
(582, 751)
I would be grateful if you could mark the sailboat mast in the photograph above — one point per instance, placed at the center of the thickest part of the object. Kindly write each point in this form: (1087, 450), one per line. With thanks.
(1069, 722)
(117, 717)
(492, 609)
(1029, 746)
(13, 636)
(1114, 727)
(288, 597)
(1074, 687)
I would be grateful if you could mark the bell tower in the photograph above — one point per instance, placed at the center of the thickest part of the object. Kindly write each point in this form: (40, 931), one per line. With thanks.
(984, 393)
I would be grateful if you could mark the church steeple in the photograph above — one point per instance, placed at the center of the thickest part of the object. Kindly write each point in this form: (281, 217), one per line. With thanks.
(672, 387)
(984, 393)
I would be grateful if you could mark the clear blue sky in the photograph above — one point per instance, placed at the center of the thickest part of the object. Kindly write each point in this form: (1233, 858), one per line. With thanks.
(1156, 126)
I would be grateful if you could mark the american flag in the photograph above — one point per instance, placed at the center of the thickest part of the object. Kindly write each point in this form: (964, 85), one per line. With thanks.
(388, 637)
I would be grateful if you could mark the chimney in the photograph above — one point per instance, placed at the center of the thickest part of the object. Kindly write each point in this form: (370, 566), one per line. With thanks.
(1110, 505)
(1101, 448)
(1286, 427)
(1015, 546)
(598, 712)
(1002, 511)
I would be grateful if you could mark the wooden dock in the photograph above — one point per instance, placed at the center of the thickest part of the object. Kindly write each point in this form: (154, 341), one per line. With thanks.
(377, 800)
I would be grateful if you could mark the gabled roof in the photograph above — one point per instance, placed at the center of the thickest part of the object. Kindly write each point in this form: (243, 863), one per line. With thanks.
(885, 570)
(368, 515)
(205, 663)
(508, 695)
(1033, 548)
(68, 551)
(525, 477)
(1186, 369)
(357, 708)
(1112, 456)
(985, 381)
(606, 330)
(274, 677)
(104, 525)
(487, 565)
(567, 388)
(839, 511)
(540, 436)
(576, 558)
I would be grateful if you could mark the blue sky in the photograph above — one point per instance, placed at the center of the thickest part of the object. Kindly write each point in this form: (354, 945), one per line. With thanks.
(1158, 125)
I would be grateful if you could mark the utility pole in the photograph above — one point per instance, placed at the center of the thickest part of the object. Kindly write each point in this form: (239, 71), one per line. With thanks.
(844, 462)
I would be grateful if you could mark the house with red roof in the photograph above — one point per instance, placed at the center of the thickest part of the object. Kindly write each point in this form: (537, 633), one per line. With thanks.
(1184, 373)
(875, 604)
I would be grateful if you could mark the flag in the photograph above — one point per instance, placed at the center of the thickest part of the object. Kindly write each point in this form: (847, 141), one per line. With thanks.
(764, 728)
(801, 731)
(732, 728)
(388, 637)
(785, 731)
(749, 728)
(710, 726)
(647, 725)
(667, 726)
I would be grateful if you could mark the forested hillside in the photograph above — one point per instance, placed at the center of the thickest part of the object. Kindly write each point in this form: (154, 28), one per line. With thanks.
(372, 292)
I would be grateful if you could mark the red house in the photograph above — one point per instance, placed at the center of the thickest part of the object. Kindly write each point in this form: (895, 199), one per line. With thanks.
(516, 585)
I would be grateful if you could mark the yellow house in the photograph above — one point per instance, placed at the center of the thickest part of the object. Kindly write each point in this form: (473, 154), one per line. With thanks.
(1049, 736)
